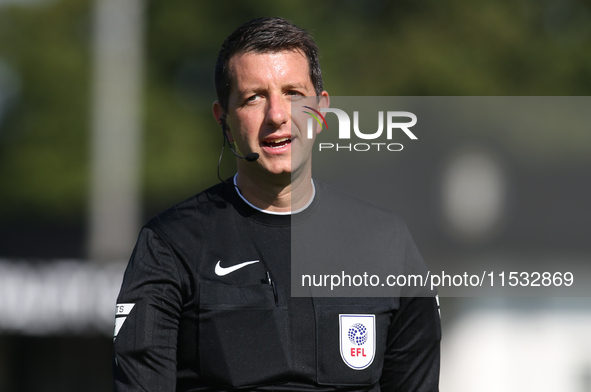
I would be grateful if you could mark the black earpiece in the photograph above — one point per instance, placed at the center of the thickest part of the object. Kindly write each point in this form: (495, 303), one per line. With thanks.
(223, 123)
(253, 156)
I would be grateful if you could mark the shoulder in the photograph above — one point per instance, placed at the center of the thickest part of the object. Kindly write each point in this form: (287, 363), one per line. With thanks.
(190, 214)
(361, 211)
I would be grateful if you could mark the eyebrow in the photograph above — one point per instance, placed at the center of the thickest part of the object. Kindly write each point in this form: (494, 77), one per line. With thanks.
(287, 86)
(297, 85)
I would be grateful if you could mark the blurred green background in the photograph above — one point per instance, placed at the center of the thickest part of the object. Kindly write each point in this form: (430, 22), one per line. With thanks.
(374, 47)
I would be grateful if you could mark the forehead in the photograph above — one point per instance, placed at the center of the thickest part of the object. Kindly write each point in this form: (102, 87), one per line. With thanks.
(286, 66)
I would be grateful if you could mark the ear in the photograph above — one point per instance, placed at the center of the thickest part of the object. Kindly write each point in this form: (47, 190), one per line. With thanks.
(323, 103)
(221, 119)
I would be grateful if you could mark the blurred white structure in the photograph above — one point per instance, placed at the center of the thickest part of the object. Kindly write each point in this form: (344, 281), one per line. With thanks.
(473, 194)
(58, 297)
(116, 128)
(540, 349)
(541, 346)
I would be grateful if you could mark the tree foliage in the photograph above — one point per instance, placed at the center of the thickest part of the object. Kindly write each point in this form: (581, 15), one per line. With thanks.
(376, 47)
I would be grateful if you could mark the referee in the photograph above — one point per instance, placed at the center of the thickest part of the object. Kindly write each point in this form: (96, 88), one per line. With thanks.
(205, 303)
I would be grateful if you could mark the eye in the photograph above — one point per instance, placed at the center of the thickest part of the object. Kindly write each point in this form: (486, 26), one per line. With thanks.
(253, 98)
(293, 94)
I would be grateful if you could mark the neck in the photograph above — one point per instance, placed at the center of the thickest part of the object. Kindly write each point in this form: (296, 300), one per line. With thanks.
(279, 195)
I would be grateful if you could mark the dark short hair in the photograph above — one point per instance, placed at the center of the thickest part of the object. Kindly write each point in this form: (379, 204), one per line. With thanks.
(264, 35)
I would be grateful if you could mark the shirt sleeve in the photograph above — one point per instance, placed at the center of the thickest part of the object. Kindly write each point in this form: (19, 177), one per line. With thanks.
(412, 358)
(147, 318)
(411, 362)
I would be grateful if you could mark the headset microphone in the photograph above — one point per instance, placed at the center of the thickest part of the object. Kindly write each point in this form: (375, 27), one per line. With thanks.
(253, 156)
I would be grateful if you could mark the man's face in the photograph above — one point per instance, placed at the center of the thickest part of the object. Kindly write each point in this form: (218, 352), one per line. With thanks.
(259, 111)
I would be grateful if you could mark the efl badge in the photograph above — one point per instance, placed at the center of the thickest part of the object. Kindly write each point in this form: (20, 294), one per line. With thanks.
(358, 339)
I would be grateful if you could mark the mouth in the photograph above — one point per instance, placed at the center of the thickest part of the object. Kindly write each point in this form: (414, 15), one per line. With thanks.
(277, 143)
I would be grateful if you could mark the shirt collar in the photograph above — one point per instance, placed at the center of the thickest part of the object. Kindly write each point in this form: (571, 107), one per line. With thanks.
(274, 212)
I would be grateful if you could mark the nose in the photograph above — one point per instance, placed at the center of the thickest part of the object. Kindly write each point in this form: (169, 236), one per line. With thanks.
(278, 109)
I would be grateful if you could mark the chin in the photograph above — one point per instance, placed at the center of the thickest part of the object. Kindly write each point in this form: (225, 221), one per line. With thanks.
(281, 172)
(278, 167)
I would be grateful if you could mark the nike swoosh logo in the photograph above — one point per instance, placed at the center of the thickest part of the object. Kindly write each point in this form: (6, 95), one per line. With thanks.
(221, 271)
